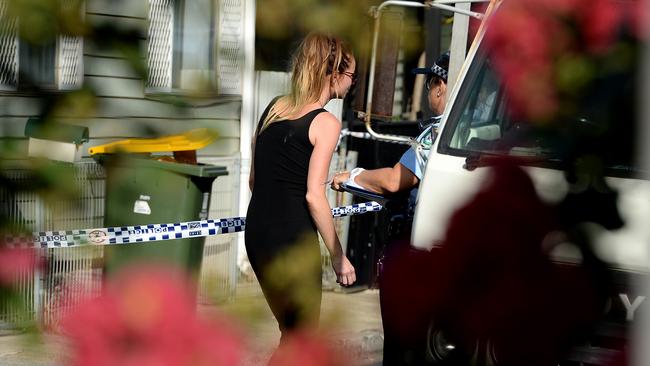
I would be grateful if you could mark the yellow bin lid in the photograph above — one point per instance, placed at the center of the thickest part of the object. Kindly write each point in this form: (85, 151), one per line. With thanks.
(190, 140)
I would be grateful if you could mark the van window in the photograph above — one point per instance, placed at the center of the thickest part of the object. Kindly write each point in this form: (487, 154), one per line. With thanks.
(602, 124)
(482, 114)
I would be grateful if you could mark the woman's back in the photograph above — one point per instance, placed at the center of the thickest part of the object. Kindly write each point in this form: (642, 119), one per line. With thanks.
(289, 168)
(281, 161)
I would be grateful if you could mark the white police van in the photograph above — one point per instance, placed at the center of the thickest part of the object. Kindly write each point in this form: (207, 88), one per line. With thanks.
(476, 131)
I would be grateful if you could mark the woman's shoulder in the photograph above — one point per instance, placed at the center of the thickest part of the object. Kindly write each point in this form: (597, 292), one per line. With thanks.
(326, 118)
(325, 124)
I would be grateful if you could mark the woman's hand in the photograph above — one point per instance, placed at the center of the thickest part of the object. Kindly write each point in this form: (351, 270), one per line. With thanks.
(345, 275)
(339, 178)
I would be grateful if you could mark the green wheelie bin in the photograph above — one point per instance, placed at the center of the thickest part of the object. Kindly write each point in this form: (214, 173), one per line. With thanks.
(141, 190)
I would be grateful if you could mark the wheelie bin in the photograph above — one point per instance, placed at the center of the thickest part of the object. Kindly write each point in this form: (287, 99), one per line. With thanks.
(141, 189)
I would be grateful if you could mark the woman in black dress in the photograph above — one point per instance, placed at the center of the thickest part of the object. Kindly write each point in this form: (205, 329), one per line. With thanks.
(292, 149)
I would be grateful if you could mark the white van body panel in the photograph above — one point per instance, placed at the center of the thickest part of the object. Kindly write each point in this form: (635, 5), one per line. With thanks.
(629, 246)
(447, 186)
(442, 191)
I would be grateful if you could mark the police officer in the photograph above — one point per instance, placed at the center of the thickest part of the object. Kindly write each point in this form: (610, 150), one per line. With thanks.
(403, 330)
(408, 172)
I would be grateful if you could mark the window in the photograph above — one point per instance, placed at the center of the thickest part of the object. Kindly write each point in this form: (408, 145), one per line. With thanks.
(52, 65)
(482, 117)
(195, 46)
(36, 65)
(603, 123)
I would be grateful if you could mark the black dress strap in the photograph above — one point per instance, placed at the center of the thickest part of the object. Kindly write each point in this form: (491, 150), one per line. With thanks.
(266, 113)
(312, 115)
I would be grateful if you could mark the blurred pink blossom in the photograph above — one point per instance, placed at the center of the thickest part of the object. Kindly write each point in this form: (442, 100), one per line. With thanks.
(501, 284)
(529, 38)
(599, 20)
(639, 13)
(148, 317)
(16, 263)
(523, 37)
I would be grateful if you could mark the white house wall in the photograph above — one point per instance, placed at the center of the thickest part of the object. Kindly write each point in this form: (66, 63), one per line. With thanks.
(123, 110)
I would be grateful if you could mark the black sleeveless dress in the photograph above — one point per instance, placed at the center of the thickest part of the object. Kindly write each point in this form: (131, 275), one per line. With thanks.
(281, 238)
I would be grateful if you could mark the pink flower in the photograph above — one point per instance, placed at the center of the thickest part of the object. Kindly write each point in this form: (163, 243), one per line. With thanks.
(599, 20)
(148, 317)
(522, 39)
(500, 284)
(639, 14)
(529, 39)
(16, 263)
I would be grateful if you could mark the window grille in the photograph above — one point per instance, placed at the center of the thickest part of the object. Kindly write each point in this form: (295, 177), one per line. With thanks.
(72, 274)
(37, 62)
(70, 56)
(168, 45)
(8, 49)
(230, 54)
(160, 47)
(70, 68)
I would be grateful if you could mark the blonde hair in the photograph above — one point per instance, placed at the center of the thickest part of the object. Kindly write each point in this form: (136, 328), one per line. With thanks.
(317, 56)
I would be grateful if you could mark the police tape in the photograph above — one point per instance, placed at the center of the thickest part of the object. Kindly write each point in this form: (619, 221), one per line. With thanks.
(153, 232)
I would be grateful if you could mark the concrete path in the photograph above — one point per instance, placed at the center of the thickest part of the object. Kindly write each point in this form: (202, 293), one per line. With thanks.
(353, 319)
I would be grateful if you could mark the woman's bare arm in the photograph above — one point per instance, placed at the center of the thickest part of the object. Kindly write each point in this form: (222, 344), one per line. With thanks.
(324, 134)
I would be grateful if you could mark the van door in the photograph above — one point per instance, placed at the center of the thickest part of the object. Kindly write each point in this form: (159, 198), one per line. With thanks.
(477, 128)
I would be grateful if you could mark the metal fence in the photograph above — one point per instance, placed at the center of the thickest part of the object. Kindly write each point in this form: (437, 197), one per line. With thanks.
(219, 269)
(68, 275)
(73, 274)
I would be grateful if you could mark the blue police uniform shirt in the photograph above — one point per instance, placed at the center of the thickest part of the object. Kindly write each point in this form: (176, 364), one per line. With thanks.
(410, 161)
(425, 139)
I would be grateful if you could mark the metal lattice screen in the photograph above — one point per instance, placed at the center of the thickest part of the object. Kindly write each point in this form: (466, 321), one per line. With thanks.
(73, 274)
(160, 46)
(219, 268)
(70, 69)
(70, 54)
(12, 210)
(69, 275)
(8, 48)
(230, 54)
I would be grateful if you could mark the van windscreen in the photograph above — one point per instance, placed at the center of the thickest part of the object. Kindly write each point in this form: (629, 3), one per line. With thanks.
(603, 122)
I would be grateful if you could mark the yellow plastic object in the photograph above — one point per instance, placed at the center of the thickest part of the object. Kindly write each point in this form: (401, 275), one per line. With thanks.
(190, 140)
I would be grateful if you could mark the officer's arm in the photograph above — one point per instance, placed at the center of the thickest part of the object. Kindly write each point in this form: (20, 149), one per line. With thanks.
(387, 180)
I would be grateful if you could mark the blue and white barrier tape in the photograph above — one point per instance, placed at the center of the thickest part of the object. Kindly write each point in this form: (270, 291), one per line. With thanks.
(153, 232)
(356, 209)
